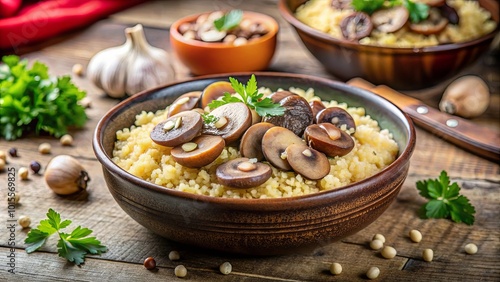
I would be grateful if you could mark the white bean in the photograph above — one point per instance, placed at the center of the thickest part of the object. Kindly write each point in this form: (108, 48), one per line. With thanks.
(388, 252)
(373, 272)
(428, 255)
(470, 248)
(336, 268)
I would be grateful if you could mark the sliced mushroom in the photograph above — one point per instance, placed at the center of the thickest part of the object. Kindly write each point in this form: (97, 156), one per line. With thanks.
(327, 138)
(274, 143)
(450, 13)
(298, 114)
(307, 161)
(435, 23)
(251, 141)
(341, 4)
(390, 19)
(338, 117)
(185, 102)
(316, 107)
(238, 119)
(356, 26)
(177, 129)
(242, 173)
(198, 152)
(280, 95)
(432, 3)
(213, 91)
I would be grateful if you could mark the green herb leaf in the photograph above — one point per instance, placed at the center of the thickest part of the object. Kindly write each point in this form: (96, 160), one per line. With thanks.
(250, 95)
(229, 21)
(367, 6)
(208, 118)
(33, 101)
(73, 246)
(445, 200)
(418, 11)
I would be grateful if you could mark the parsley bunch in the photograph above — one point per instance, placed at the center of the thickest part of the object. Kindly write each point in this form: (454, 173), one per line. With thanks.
(445, 200)
(251, 97)
(418, 11)
(32, 100)
(72, 246)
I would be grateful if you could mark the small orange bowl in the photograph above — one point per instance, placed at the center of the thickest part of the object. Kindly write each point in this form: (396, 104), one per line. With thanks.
(216, 57)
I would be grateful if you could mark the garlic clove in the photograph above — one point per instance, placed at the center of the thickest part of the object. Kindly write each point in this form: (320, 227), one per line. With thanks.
(467, 96)
(65, 175)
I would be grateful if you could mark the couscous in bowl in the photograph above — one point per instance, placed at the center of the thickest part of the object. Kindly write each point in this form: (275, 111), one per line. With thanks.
(256, 226)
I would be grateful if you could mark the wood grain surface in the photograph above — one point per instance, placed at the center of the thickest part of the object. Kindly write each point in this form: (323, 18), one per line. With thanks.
(129, 243)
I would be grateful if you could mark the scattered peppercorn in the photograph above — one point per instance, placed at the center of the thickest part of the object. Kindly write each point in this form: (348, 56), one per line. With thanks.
(44, 148)
(335, 268)
(66, 140)
(24, 221)
(150, 263)
(428, 255)
(13, 152)
(373, 272)
(180, 271)
(415, 236)
(470, 248)
(23, 173)
(225, 268)
(35, 166)
(174, 255)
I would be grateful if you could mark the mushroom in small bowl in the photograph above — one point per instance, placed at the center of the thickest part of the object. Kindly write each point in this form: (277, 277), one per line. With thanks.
(255, 184)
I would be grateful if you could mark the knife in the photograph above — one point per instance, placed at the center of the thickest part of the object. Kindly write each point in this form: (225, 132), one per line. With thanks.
(475, 138)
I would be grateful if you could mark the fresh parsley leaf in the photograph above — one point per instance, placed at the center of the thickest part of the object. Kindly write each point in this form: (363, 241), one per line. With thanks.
(249, 95)
(73, 246)
(208, 118)
(367, 6)
(229, 20)
(33, 101)
(418, 11)
(445, 200)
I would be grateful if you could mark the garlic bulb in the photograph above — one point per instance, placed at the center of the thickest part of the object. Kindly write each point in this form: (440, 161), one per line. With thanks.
(467, 96)
(130, 68)
(65, 175)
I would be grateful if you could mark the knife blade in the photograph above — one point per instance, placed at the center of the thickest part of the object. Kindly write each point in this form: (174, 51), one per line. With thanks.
(459, 131)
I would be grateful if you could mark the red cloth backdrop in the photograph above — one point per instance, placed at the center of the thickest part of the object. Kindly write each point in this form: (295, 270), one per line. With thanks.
(26, 22)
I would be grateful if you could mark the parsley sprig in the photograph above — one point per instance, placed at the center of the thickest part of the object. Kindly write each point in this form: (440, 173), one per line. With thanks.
(418, 11)
(72, 246)
(251, 97)
(229, 20)
(445, 200)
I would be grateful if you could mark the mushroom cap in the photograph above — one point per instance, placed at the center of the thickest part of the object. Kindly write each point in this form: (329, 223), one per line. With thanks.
(185, 102)
(435, 23)
(274, 143)
(239, 119)
(317, 137)
(251, 141)
(316, 107)
(307, 161)
(298, 114)
(213, 91)
(229, 174)
(208, 149)
(356, 26)
(190, 126)
(390, 19)
(336, 116)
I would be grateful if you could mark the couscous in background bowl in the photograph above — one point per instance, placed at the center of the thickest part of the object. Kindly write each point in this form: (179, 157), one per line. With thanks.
(256, 226)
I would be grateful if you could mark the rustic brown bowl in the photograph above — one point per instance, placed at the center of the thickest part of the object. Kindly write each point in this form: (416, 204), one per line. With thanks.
(400, 68)
(260, 226)
(211, 58)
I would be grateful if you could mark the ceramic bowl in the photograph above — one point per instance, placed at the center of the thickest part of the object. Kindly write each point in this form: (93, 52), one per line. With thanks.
(203, 58)
(400, 68)
(256, 226)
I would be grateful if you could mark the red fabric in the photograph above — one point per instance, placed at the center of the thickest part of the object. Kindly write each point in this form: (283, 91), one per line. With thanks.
(39, 20)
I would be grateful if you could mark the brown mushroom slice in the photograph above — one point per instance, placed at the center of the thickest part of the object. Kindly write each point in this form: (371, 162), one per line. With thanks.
(198, 152)
(341, 4)
(251, 141)
(307, 161)
(390, 19)
(327, 138)
(450, 13)
(237, 119)
(214, 91)
(298, 114)
(185, 102)
(316, 107)
(434, 24)
(356, 26)
(177, 129)
(274, 143)
(280, 95)
(242, 173)
(432, 3)
(338, 117)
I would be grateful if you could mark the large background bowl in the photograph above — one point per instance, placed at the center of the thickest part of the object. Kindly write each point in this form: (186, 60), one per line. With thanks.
(213, 57)
(262, 226)
(400, 68)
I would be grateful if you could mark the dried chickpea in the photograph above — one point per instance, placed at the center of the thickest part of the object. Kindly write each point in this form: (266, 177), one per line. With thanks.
(388, 252)
(44, 148)
(2, 164)
(66, 140)
(415, 236)
(470, 248)
(373, 272)
(77, 69)
(180, 271)
(23, 173)
(376, 244)
(225, 268)
(24, 221)
(428, 255)
(14, 200)
(174, 255)
(335, 268)
(3, 156)
(379, 236)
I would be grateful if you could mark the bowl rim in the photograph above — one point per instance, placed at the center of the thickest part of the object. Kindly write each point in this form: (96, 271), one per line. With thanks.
(271, 22)
(321, 197)
(288, 15)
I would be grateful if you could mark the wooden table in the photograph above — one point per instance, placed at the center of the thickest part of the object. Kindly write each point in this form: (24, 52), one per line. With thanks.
(129, 243)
